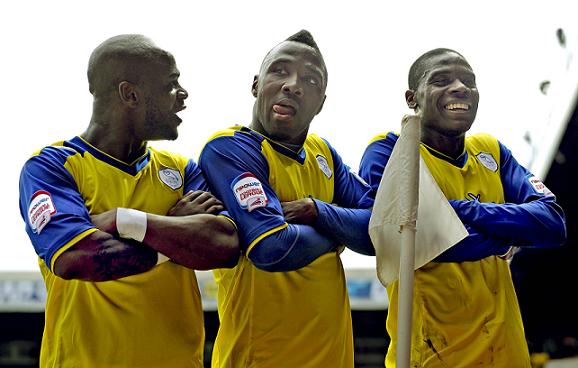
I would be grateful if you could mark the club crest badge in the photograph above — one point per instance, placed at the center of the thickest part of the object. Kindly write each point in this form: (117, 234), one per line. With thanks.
(488, 161)
(249, 192)
(40, 210)
(171, 177)
(324, 166)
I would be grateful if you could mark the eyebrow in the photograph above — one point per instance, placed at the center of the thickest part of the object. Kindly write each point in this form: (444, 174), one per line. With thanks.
(447, 71)
(314, 68)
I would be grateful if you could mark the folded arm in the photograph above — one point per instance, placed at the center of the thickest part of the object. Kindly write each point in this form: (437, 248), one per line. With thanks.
(200, 241)
(238, 174)
(537, 223)
(290, 249)
(477, 245)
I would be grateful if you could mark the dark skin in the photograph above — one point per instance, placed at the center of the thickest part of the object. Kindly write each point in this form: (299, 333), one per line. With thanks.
(289, 92)
(446, 100)
(124, 118)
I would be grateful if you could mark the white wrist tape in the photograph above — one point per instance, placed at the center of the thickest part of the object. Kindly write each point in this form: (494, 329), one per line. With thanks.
(131, 224)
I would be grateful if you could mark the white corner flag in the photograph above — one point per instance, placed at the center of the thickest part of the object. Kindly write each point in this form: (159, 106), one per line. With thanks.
(411, 224)
(436, 223)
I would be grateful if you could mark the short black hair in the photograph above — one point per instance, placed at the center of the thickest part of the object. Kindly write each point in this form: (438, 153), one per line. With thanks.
(115, 60)
(419, 66)
(304, 36)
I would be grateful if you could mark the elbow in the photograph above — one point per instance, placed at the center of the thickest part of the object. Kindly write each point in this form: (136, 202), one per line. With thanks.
(65, 273)
(229, 253)
(268, 256)
(557, 230)
(225, 244)
(560, 236)
(556, 237)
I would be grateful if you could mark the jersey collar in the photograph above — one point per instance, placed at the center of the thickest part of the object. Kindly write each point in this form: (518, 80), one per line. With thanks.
(133, 168)
(279, 147)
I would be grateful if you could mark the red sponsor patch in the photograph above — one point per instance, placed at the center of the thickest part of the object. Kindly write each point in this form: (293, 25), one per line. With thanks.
(40, 210)
(539, 186)
(249, 192)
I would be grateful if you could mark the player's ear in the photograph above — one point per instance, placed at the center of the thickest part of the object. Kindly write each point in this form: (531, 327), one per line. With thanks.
(128, 93)
(255, 85)
(410, 99)
(321, 106)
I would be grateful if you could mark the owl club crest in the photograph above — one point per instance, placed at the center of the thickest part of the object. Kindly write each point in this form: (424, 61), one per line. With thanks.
(324, 166)
(488, 161)
(171, 177)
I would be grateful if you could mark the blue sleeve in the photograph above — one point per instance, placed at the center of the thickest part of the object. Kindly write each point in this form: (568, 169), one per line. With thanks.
(530, 216)
(374, 159)
(291, 249)
(350, 190)
(347, 220)
(194, 178)
(237, 173)
(348, 226)
(50, 203)
(477, 245)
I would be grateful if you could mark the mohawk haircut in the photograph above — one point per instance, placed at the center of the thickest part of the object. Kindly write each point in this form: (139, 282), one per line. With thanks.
(419, 66)
(304, 36)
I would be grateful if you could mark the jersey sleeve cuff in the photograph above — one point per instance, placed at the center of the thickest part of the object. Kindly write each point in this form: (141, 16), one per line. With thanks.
(69, 244)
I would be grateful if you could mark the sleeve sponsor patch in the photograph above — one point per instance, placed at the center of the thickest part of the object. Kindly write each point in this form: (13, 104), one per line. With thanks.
(249, 192)
(539, 186)
(40, 210)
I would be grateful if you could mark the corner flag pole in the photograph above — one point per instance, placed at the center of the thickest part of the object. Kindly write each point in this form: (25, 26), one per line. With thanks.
(409, 181)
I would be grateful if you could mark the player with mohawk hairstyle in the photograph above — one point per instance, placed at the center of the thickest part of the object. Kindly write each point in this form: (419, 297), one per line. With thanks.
(286, 303)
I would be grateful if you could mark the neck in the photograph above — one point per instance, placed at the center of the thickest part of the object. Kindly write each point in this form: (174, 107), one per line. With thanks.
(110, 138)
(451, 146)
(295, 147)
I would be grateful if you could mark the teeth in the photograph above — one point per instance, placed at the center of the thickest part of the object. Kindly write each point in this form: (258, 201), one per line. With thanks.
(457, 106)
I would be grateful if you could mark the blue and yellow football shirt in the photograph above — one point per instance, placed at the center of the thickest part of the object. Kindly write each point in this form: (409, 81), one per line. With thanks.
(465, 314)
(279, 319)
(153, 319)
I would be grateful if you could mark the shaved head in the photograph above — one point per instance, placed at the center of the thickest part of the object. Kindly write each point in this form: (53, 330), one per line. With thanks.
(121, 58)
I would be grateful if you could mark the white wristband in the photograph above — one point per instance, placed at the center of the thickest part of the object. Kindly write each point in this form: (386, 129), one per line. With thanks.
(131, 224)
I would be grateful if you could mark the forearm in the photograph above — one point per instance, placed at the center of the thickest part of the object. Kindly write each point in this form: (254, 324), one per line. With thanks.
(476, 246)
(348, 226)
(537, 223)
(102, 257)
(200, 242)
(290, 249)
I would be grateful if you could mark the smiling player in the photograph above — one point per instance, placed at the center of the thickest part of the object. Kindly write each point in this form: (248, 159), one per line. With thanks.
(465, 311)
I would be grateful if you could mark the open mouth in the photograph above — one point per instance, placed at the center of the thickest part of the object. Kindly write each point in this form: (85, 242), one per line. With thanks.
(181, 108)
(457, 107)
